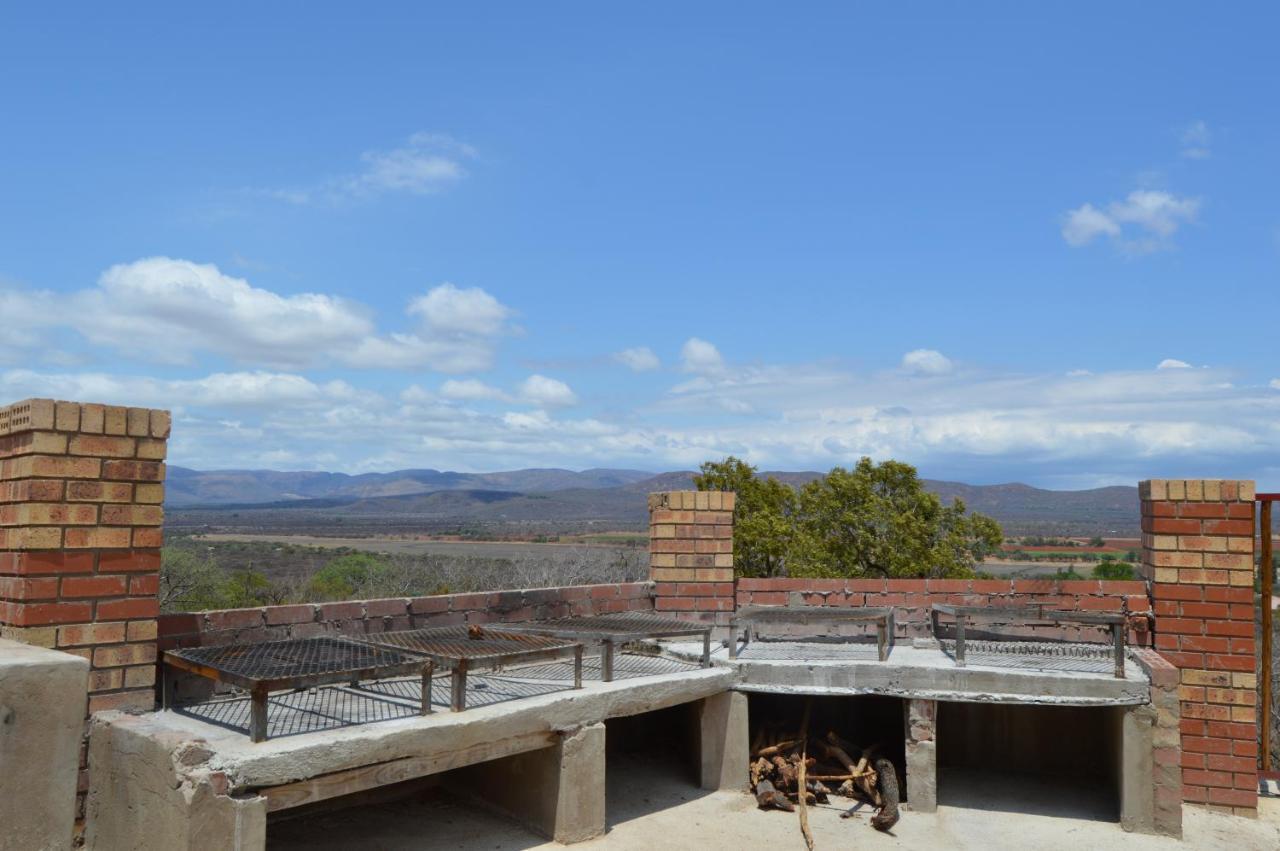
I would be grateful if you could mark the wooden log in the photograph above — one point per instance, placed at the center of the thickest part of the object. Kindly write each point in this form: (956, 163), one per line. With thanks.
(888, 815)
(801, 781)
(767, 796)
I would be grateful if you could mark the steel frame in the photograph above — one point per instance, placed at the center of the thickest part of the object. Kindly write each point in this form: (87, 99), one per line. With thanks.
(446, 648)
(749, 618)
(203, 661)
(1020, 614)
(588, 628)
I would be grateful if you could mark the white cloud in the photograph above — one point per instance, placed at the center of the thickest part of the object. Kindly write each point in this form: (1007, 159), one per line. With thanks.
(1195, 141)
(926, 362)
(1173, 363)
(470, 389)
(1087, 222)
(700, 357)
(547, 392)
(449, 310)
(1275, 384)
(638, 359)
(1152, 216)
(424, 164)
(167, 310)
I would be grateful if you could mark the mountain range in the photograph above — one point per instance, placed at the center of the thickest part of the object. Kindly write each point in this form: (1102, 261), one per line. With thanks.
(555, 499)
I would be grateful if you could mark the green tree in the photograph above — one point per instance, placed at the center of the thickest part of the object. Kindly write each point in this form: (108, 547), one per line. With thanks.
(1097, 541)
(365, 576)
(878, 520)
(246, 588)
(189, 581)
(873, 520)
(764, 515)
(1111, 569)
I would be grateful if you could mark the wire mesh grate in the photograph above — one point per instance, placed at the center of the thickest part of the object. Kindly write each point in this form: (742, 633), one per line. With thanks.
(297, 657)
(305, 710)
(1036, 655)
(461, 642)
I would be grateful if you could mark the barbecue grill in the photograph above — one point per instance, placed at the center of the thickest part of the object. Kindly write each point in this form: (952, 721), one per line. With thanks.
(461, 649)
(1031, 654)
(747, 622)
(296, 663)
(612, 630)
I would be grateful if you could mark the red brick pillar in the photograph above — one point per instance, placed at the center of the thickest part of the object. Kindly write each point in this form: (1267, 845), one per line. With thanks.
(1197, 549)
(691, 553)
(81, 490)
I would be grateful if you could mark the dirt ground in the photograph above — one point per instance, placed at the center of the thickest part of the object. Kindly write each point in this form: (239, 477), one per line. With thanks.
(649, 808)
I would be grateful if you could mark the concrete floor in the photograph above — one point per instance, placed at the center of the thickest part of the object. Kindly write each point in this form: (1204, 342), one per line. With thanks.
(651, 805)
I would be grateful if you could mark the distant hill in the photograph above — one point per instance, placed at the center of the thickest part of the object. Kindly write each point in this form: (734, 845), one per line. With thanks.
(553, 500)
(223, 487)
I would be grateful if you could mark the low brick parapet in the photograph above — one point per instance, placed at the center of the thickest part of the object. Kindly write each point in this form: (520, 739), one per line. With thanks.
(362, 617)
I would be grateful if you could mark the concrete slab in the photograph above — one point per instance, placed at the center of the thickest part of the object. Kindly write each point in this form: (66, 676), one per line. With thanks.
(248, 765)
(925, 673)
(42, 702)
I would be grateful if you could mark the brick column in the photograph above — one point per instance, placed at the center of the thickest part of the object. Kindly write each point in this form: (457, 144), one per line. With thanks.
(1197, 549)
(691, 553)
(81, 489)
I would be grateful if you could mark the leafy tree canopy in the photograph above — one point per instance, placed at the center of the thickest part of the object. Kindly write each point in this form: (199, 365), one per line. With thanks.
(873, 520)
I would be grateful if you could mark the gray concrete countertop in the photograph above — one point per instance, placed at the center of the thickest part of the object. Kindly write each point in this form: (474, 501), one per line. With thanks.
(922, 670)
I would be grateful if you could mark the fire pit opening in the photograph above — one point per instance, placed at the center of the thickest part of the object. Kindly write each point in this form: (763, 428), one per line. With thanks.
(1044, 760)
(850, 742)
(652, 762)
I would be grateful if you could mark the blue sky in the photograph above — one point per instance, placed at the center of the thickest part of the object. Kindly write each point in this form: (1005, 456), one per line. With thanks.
(963, 235)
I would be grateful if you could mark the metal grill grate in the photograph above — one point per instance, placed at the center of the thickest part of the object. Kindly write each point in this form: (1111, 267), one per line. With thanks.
(809, 622)
(482, 689)
(808, 651)
(299, 657)
(625, 666)
(1036, 655)
(309, 710)
(638, 624)
(460, 642)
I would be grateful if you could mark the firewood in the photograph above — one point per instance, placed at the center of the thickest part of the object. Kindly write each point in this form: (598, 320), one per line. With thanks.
(779, 748)
(767, 796)
(888, 815)
(800, 776)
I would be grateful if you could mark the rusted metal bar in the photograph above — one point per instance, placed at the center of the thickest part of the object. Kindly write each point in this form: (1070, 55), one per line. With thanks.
(458, 684)
(1268, 589)
(606, 660)
(258, 714)
(1117, 639)
(428, 672)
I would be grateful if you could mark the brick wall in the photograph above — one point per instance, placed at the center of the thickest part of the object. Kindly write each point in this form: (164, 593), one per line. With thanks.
(1197, 547)
(912, 598)
(361, 617)
(81, 490)
(691, 553)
